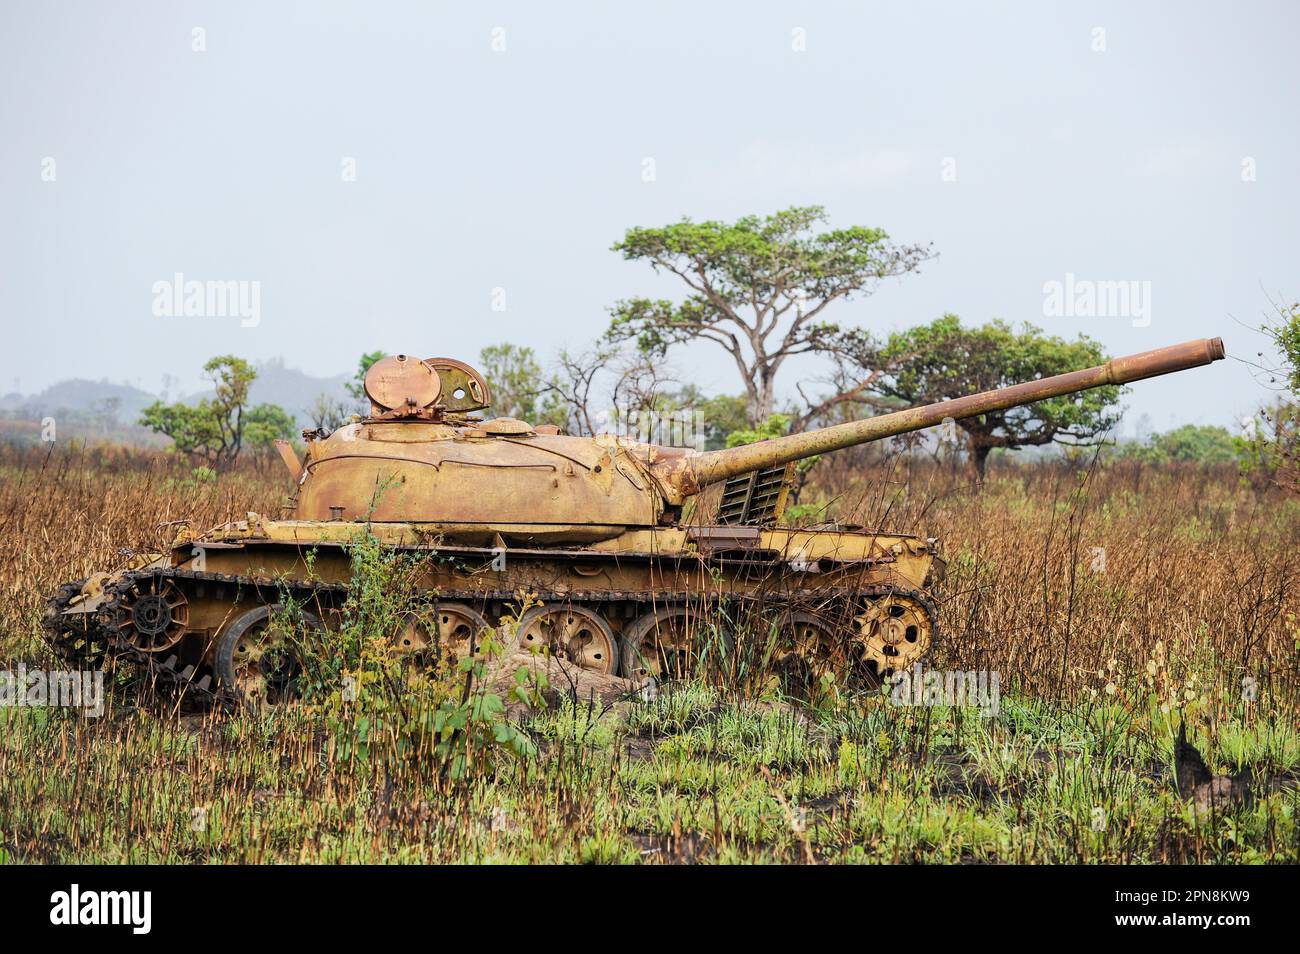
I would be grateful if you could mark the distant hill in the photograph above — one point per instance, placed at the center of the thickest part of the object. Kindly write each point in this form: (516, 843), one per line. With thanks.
(294, 390)
(79, 394)
(104, 410)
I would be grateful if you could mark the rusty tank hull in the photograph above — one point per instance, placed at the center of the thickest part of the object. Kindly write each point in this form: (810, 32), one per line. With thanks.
(581, 543)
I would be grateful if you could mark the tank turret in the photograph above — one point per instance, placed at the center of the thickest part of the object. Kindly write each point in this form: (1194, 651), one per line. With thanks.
(420, 458)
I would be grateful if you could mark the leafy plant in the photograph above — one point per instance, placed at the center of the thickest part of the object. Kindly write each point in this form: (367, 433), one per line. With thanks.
(379, 703)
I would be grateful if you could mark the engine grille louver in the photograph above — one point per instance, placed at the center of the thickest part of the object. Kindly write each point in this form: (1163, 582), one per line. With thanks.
(756, 498)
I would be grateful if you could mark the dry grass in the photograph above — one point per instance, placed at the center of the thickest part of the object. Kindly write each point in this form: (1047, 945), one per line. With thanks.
(66, 513)
(1198, 592)
(1056, 570)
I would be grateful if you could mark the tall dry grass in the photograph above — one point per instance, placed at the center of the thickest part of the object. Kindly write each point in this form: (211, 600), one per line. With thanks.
(1060, 572)
(66, 512)
(1197, 592)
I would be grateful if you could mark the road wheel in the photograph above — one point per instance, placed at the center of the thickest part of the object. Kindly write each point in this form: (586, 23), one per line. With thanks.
(444, 631)
(155, 614)
(575, 633)
(804, 653)
(258, 657)
(659, 645)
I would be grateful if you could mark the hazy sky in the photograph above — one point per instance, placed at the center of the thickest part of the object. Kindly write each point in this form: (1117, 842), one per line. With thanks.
(479, 169)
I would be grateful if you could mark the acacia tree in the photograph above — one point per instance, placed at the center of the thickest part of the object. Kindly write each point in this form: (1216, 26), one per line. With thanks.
(943, 360)
(218, 428)
(757, 289)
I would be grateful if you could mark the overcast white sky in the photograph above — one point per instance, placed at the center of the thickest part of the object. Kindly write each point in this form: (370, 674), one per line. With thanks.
(479, 169)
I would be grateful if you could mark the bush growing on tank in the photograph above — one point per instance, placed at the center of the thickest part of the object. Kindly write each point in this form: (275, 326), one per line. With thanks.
(379, 704)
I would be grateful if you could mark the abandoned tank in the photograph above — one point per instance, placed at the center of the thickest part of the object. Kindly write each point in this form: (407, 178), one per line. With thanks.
(622, 577)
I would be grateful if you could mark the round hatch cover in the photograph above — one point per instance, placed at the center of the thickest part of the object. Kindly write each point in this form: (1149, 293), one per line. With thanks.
(400, 381)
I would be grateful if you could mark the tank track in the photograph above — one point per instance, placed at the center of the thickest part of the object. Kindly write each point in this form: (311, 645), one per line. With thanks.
(161, 670)
(165, 669)
(59, 636)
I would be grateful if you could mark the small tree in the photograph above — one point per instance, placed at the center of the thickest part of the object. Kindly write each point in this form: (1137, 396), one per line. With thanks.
(1269, 450)
(757, 289)
(943, 360)
(571, 391)
(266, 423)
(1284, 329)
(328, 413)
(1195, 443)
(218, 428)
(1270, 447)
(1200, 443)
(105, 411)
(520, 388)
(357, 386)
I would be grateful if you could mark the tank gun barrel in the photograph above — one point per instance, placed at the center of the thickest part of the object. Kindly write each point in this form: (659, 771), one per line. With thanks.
(710, 467)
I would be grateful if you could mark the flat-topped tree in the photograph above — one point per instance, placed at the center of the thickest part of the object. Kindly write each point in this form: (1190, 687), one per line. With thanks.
(757, 288)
